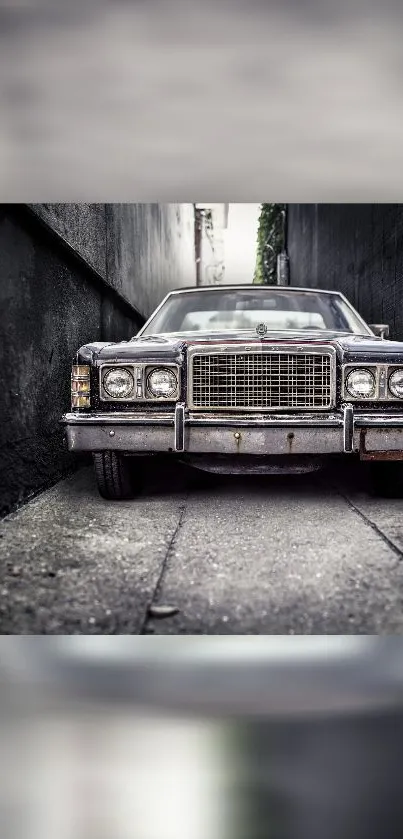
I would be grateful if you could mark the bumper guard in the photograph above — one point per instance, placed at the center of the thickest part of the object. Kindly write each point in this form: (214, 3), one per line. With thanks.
(372, 436)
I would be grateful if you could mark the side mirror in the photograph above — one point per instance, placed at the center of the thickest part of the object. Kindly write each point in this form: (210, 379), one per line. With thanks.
(380, 329)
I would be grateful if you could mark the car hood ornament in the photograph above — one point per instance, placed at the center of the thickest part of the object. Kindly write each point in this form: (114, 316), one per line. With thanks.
(261, 329)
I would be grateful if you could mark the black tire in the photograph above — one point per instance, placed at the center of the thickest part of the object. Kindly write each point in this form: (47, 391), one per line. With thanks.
(387, 479)
(116, 479)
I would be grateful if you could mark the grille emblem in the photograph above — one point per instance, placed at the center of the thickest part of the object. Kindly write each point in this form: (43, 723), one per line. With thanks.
(261, 329)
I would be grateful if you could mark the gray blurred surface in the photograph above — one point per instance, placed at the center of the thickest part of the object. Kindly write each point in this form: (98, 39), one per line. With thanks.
(96, 773)
(100, 772)
(75, 764)
(257, 556)
(156, 101)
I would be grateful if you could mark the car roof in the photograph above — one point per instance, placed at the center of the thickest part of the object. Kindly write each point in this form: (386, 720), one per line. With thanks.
(250, 287)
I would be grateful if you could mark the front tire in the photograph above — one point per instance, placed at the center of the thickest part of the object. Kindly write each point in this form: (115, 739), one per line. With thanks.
(116, 480)
(387, 479)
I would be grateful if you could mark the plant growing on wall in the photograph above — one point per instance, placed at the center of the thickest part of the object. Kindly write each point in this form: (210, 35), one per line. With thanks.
(270, 242)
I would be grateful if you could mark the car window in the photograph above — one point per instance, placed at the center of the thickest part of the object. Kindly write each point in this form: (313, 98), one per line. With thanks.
(229, 309)
(247, 320)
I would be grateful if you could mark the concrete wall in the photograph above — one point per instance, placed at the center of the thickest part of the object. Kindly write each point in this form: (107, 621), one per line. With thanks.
(213, 222)
(141, 250)
(353, 248)
(60, 287)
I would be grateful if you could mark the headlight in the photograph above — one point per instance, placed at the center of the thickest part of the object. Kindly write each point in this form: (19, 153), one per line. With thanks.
(162, 383)
(118, 383)
(361, 384)
(396, 384)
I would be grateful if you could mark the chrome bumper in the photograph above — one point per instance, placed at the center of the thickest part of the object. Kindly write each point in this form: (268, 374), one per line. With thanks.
(373, 437)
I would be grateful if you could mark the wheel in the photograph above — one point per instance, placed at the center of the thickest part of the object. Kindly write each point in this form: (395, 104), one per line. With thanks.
(116, 478)
(387, 479)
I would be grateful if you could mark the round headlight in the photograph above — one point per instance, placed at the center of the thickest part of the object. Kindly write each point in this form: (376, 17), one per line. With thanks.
(361, 384)
(162, 383)
(396, 384)
(118, 383)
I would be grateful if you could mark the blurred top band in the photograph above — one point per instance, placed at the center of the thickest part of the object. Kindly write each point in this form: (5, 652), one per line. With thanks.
(230, 675)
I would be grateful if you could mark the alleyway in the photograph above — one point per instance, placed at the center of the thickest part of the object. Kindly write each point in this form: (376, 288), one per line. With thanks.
(305, 555)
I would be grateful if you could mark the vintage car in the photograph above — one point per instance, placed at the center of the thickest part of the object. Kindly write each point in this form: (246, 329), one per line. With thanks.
(241, 378)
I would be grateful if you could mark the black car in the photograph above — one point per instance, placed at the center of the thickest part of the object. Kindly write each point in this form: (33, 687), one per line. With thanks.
(241, 378)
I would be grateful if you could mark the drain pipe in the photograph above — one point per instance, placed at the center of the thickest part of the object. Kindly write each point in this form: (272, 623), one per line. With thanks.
(283, 263)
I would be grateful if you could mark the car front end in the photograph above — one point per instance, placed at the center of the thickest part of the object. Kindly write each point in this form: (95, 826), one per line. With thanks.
(240, 400)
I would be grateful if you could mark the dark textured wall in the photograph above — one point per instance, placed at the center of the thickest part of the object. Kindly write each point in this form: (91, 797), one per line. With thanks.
(141, 250)
(354, 248)
(50, 304)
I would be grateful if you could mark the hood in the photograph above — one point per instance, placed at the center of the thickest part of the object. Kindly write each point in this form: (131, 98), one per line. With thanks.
(345, 340)
(157, 346)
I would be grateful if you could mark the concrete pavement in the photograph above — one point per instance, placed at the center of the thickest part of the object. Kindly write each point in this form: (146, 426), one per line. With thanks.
(298, 555)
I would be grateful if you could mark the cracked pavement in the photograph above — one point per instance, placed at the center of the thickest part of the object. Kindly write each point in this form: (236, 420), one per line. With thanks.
(311, 554)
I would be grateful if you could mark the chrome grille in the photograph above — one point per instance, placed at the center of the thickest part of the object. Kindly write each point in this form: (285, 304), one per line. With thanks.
(261, 380)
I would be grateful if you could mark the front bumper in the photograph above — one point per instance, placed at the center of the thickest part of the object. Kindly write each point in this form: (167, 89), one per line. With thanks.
(372, 436)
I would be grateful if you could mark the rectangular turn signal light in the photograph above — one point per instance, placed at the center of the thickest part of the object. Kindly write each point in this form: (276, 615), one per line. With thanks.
(78, 401)
(80, 386)
(80, 371)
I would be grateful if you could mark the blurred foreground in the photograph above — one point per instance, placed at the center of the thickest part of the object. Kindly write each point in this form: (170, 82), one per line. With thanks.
(156, 101)
(201, 738)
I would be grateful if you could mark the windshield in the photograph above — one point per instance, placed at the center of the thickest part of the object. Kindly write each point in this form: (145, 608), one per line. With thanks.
(229, 309)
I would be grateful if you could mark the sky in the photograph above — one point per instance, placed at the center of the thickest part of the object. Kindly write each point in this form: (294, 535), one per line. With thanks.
(240, 242)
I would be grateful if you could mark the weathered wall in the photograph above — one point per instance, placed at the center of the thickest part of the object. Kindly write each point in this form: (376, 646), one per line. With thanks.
(49, 306)
(53, 299)
(150, 250)
(140, 250)
(212, 222)
(353, 248)
(81, 226)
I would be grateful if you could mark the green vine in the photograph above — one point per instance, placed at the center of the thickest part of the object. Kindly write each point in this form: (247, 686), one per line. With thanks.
(270, 242)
